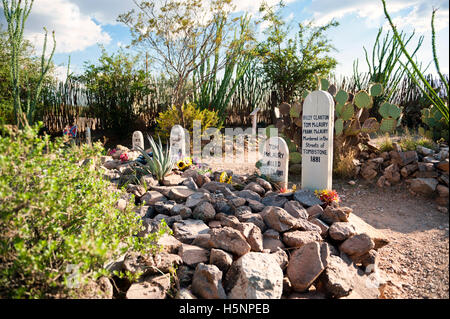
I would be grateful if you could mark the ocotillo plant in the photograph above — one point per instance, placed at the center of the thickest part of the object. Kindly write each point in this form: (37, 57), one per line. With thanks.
(16, 16)
(417, 76)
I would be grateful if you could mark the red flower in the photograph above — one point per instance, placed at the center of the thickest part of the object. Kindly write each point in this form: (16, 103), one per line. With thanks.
(123, 157)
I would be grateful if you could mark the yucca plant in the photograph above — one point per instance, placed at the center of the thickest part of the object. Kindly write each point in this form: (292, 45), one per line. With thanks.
(160, 164)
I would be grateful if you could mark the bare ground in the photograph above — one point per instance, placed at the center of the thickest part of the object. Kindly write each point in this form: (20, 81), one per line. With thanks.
(415, 263)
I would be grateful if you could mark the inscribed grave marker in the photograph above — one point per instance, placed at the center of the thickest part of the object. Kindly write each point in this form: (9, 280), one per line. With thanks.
(275, 160)
(317, 141)
(138, 140)
(177, 143)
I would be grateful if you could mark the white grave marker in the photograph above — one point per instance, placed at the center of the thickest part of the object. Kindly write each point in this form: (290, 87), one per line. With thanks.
(275, 160)
(138, 140)
(88, 135)
(317, 141)
(254, 115)
(177, 143)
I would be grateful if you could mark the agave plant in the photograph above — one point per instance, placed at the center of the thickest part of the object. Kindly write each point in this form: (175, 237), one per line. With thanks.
(160, 164)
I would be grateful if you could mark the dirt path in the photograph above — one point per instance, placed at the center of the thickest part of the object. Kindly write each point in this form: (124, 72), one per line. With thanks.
(415, 263)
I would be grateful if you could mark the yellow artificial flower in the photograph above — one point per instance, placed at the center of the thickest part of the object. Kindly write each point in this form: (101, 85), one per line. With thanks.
(229, 180)
(294, 188)
(223, 177)
(181, 164)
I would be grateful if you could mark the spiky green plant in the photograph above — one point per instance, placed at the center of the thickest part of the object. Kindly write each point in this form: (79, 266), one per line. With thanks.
(160, 164)
(417, 75)
(16, 15)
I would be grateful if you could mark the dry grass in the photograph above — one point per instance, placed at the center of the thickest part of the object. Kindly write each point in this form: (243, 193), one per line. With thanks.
(344, 166)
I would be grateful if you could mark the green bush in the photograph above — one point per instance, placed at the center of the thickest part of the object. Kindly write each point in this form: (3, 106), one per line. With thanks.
(172, 117)
(54, 215)
(386, 144)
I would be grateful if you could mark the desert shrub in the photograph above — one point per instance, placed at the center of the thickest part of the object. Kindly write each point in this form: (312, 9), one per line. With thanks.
(172, 117)
(344, 166)
(56, 216)
(426, 142)
(386, 144)
(409, 142)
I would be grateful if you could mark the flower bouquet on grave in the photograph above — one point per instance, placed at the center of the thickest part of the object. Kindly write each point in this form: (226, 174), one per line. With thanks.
(328, 196)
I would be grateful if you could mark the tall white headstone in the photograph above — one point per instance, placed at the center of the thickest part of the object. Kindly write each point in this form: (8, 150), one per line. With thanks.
(317, 141)
(177, 143)
(88, 135)
(138, 140)
(275, 160)
(254, 115)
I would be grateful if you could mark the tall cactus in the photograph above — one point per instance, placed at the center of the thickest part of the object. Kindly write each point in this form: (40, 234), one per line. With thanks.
(16, 16)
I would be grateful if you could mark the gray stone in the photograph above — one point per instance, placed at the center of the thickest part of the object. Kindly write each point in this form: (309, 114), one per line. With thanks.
(196, 198)
(424, 186)
(278, 219)
(305, 265)
(248, 194)
(207, 282)
(151, 197)
(204, 211)
(298, 238)
(338, 278)
(357, 245)
(186, 230)
(307, 198)
(275, 200)
(230, 240)
(193, 255)
(221, 259)
(180, 194)
(152, 287)
(296, 209)
(182, 210)
(340, 231)
(255, 276)
(265, 184)
(255, 205)
(255, 188)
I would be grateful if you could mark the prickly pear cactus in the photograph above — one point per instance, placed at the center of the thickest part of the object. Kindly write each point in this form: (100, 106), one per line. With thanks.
(352, 121)
(437, 127)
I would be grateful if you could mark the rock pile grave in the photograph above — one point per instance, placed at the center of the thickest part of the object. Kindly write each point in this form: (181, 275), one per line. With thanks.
(247, 242)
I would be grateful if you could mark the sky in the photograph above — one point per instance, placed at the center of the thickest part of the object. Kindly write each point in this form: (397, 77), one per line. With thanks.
(82, 26)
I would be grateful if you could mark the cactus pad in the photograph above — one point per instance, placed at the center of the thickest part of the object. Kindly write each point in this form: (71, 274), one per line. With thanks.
(347, 111)
(388, 125)
(341, 97)
(363, 99)
(376, 89)
(324, 84)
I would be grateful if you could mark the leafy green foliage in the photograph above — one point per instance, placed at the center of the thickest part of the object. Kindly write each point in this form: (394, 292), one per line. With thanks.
(115, 86)
(290, 64)
(55, 215)
(172, 117)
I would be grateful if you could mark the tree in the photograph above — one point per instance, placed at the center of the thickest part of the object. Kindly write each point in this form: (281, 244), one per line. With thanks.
(16, 16)
(116, 87)
(181, 36)
(291, 63)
